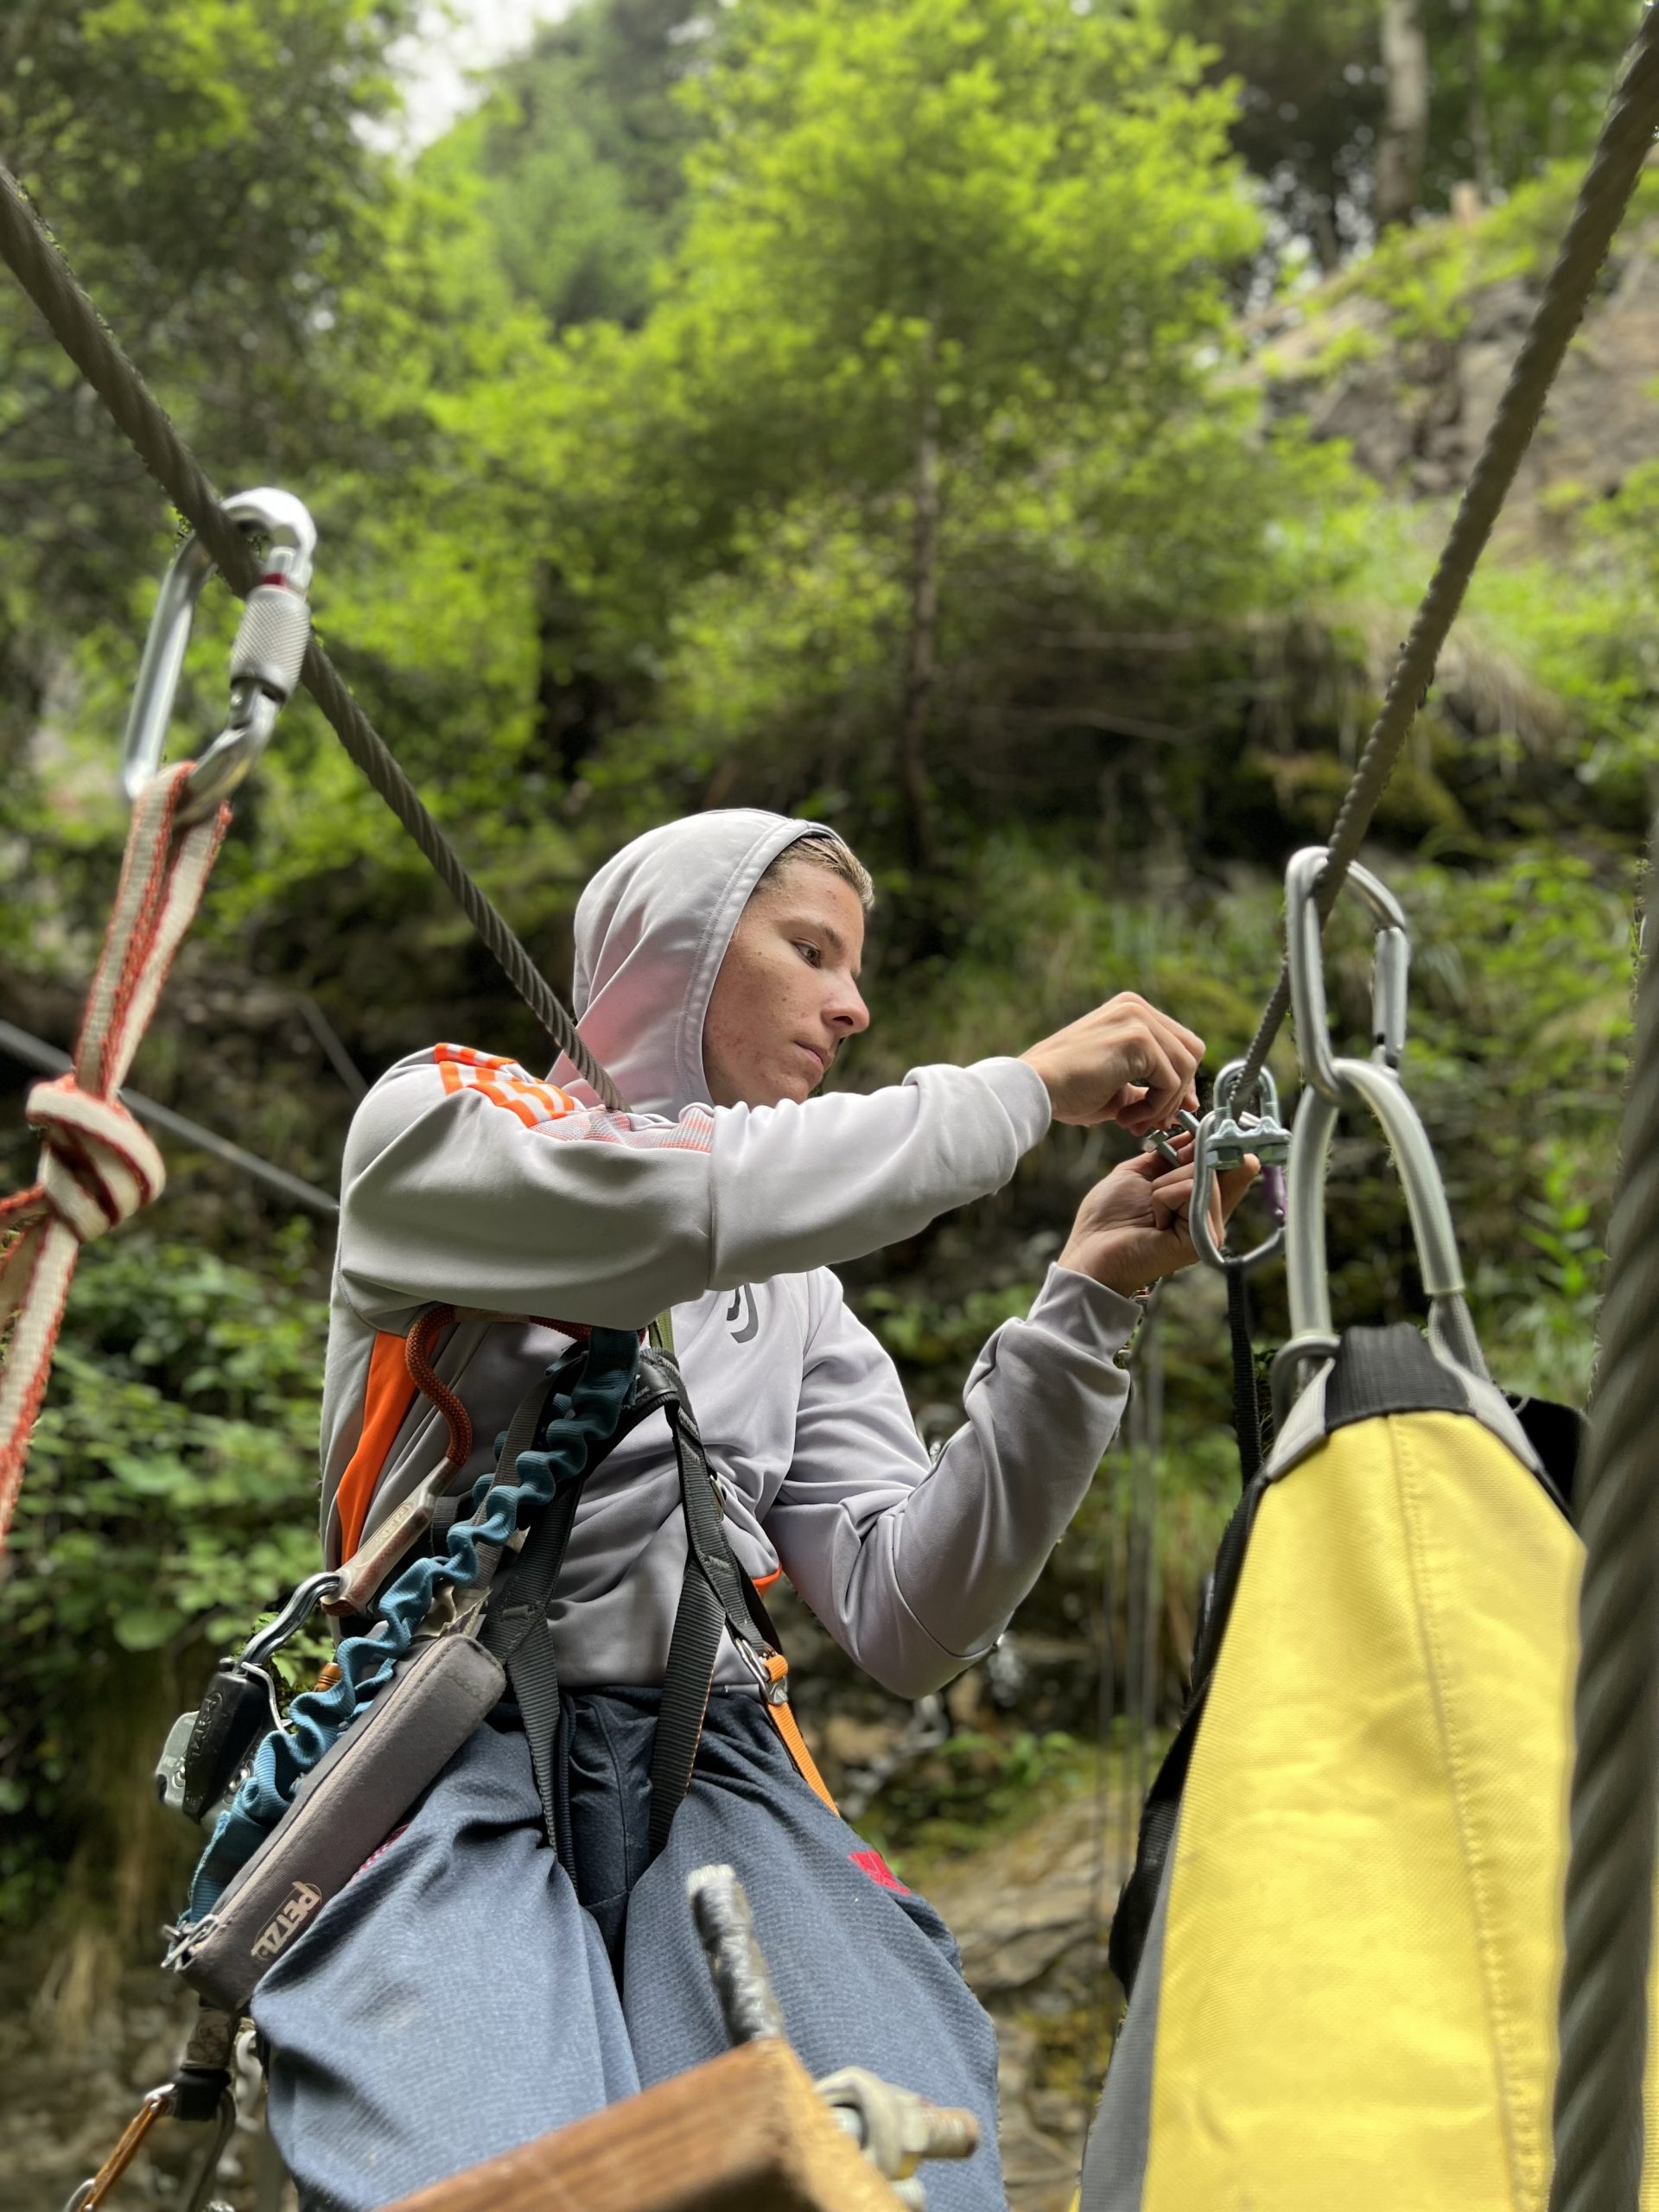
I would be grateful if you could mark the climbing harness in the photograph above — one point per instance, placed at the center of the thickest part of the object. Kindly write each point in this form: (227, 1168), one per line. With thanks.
(324, 1789)
(98, 1167)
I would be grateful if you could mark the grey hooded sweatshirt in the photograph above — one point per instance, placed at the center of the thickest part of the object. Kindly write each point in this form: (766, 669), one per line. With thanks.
(521, 1203)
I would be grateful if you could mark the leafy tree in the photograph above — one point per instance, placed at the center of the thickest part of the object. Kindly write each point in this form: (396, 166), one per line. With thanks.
(205, 165)
(573, 163)
(922, 243)
(1498, 88)
(170, 1500)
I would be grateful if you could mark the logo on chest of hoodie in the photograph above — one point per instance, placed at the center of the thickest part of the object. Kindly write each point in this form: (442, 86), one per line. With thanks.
(742, 1314)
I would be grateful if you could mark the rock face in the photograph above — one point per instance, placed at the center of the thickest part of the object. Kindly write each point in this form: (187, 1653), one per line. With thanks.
(1031, 1916)
(1415, 410)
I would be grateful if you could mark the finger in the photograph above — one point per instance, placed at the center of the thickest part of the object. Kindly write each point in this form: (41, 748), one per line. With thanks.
(1184, 1051)
(1231, 1186)
(1166, 1081)
(1189, 1039)
(1171, 1201)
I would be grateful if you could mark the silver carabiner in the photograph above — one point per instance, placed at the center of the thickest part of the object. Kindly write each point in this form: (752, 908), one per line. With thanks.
(1222, 1141)
(1332, 1083)
(1305, 957)
(314, 1591)
(265, 659)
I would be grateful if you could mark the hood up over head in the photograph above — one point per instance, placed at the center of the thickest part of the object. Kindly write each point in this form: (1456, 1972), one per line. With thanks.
(651, 930)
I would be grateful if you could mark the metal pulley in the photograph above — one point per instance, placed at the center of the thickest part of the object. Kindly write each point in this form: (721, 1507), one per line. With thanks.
(265, 659)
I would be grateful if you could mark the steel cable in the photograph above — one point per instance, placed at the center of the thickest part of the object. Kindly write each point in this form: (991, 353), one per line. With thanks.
(1610, 1876)
(1626, 136)
(40, 267)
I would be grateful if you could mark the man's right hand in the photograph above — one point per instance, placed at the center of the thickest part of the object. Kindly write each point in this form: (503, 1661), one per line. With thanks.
(1125, 1063)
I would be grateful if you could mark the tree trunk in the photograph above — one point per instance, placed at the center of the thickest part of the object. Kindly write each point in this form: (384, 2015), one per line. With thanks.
(921, 645)
(1404, 140)
(1480, 124)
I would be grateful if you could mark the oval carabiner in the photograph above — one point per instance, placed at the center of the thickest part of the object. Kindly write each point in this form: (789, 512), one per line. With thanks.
(1313, 1334)
(265, 659)
(1222, 1141)
(1305, 956)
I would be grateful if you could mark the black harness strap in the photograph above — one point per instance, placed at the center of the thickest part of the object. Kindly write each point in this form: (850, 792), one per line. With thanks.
(1247, 1410)
(712, 1600)
(712, 1596)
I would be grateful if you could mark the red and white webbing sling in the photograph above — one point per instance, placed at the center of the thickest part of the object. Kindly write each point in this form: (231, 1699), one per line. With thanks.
(98, 1167)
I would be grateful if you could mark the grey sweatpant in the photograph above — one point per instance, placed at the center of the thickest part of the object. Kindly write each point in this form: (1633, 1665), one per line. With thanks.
(468, 1991)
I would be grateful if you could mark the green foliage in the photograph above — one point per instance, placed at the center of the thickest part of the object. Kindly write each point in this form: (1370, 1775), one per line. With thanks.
(1430, 276)
(170, 1499)
(972, 1786)
(572, 164)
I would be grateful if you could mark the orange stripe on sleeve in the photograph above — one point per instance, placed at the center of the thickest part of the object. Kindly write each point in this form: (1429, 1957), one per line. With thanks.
(387, 1400)
(497, 1096)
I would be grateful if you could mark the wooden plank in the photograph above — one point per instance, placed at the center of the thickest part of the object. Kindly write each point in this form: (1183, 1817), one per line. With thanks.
(747, 2133)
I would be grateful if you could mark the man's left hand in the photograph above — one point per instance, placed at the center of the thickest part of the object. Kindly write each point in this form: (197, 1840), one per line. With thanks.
(1131, 1228)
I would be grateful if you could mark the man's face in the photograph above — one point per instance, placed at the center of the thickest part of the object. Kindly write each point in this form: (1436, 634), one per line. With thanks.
(787, 990)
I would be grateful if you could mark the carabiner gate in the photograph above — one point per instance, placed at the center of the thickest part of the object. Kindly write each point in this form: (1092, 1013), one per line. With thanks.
(265, 660)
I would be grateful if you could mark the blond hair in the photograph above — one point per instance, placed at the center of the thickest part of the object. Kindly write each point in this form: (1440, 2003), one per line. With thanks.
(823, 848)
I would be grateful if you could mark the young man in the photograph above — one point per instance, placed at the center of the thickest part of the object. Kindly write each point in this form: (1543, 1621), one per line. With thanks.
(472, 1987)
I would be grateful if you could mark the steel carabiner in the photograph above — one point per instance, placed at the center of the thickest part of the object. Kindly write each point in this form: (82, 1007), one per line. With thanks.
(265, 659)
(1223, 1139)
(159, 2104)
(1305, 958)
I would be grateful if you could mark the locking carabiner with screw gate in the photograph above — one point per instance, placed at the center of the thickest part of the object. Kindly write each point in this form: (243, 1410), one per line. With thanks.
(265, 660)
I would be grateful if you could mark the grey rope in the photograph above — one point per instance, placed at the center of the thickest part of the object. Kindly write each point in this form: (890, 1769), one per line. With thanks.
(1603, 198)
(35, 1053)
(1604, 2009)
(40, 267)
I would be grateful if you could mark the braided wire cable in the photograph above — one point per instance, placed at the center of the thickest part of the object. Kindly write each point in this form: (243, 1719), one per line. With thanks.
(1615, 1796)
(1626, 136)
(38, 265)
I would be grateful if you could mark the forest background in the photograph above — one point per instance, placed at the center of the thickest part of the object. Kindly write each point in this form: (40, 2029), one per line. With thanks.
(1015, 431)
